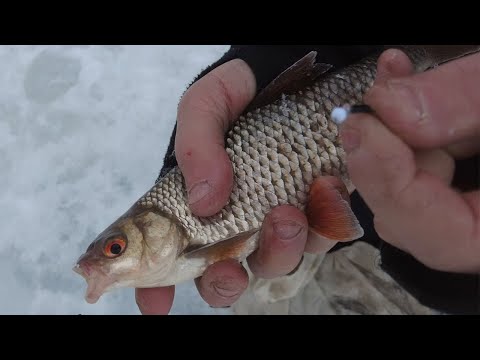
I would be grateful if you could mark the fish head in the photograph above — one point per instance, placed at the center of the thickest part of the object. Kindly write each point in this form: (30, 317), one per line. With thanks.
(137, 250)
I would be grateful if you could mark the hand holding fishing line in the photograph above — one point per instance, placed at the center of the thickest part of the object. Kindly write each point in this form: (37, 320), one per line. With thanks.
(402, 159)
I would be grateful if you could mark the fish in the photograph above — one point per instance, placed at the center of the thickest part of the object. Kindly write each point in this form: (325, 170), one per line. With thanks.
(284, 149)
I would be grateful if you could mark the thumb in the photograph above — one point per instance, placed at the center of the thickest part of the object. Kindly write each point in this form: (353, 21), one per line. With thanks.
(205, 113)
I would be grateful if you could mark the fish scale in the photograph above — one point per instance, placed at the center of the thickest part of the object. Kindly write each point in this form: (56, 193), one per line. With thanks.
(299, 142)
(277, 151)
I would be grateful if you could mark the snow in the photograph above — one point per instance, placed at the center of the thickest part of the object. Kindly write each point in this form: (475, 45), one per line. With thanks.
(83, 131)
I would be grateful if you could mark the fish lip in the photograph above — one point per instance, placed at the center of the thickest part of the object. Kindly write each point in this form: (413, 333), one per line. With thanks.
(97, 286)
(78, 269)
(83, 268)
(97, 281)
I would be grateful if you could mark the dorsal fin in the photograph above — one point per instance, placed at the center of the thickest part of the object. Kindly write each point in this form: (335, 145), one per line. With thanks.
(299, 75)
(440, 54)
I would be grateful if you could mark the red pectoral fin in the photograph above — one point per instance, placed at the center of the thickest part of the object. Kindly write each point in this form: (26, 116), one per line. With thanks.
(329, 213)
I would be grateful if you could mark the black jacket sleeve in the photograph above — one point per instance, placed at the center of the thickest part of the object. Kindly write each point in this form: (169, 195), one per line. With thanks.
(443, 291)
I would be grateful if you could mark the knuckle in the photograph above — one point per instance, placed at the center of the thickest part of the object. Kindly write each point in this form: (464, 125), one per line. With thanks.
(223, 94)
(196, 102)
(402, 107)
(206, 97)
(210, 106)
(239, 82)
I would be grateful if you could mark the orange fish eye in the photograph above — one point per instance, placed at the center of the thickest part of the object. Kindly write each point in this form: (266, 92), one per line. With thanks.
(114, 247)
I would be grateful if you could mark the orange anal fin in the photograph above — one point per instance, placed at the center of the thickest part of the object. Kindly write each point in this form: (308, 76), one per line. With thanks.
(328, 211)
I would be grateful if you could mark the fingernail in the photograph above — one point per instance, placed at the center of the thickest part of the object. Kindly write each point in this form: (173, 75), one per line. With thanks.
(226, 288)
(350, 138)
(198, 191)
(286, 229)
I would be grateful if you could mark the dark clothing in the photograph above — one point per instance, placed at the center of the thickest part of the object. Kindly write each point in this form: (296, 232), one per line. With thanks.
(442, 291)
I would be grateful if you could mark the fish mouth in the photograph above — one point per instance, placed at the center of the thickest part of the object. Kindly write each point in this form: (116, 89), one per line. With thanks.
(97, 282)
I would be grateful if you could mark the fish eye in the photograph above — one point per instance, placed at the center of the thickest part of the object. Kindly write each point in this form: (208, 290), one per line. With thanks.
(114, 247)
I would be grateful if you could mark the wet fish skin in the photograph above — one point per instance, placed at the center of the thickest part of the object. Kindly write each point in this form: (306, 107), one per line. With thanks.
(278, 151)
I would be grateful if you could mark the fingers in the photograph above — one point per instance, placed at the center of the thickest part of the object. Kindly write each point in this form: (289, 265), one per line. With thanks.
(437, 163)
(282, 243)
(155, 301)
(222, 283)
(432, 109)
(205, 113)
(413, 209)
(380, 164)
(393, 62)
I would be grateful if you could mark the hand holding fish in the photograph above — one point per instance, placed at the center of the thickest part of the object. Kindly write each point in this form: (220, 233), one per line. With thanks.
(401, 159)
(263, 178)
(205, 112)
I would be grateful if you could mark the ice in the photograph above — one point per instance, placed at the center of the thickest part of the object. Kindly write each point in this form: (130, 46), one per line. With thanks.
(83, 131)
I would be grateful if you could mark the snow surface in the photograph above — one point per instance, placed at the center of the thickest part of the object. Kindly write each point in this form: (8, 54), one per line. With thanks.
(83, 131)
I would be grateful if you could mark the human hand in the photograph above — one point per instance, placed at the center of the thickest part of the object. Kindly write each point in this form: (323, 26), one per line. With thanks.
(204, 115)
(402, 160)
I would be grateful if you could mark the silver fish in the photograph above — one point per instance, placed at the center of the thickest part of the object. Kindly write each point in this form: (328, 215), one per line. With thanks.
(282, 150)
